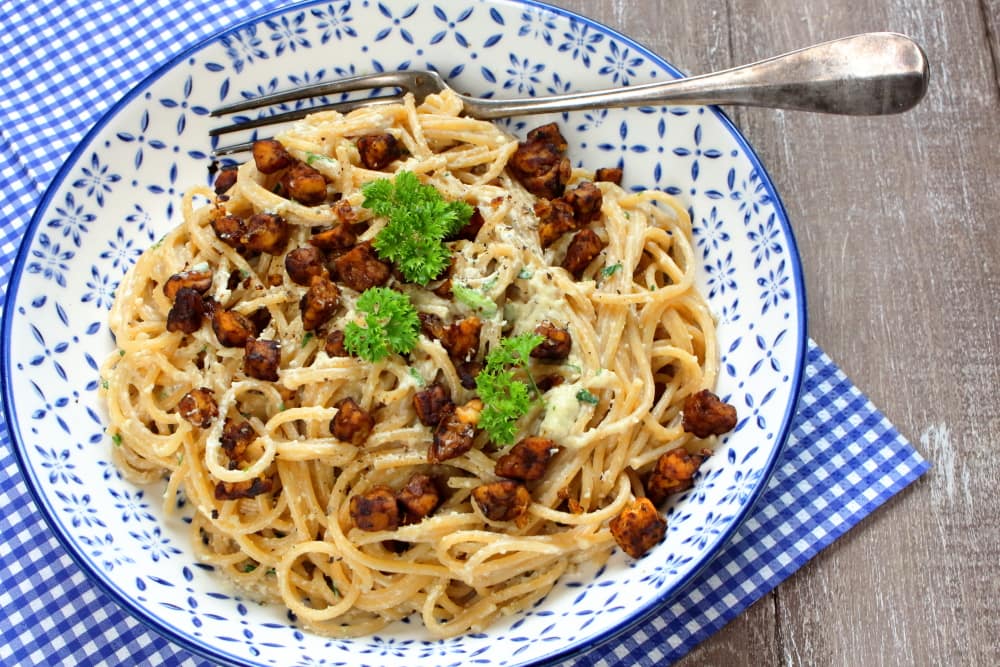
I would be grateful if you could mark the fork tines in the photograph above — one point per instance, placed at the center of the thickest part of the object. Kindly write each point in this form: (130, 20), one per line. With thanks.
(374, 83)
(274, 119)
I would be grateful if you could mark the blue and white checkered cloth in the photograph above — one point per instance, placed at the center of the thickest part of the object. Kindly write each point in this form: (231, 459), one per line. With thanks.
(64, 67)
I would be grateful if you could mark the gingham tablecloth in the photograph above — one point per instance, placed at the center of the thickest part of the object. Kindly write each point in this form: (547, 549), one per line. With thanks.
(64, 66)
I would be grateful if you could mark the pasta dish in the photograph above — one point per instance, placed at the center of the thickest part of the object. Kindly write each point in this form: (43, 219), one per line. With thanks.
(402, 363)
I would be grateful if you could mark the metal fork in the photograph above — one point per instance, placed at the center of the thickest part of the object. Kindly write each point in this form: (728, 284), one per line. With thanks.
(867, 74)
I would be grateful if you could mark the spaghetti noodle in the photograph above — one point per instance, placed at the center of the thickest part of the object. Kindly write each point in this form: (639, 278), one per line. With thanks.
(325, 481)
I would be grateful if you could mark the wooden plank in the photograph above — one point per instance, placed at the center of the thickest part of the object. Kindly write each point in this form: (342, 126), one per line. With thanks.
(991, 20)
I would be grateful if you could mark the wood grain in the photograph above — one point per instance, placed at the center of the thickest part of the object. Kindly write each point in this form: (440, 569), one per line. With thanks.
(898, 224)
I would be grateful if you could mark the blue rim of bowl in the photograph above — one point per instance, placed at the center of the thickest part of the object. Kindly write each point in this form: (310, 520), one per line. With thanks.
(640, 615)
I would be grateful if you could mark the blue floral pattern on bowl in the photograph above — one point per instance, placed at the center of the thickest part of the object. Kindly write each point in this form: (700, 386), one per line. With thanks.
(120, 191)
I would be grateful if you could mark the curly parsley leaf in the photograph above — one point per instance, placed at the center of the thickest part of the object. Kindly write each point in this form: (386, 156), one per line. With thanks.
(513, 351)
(391, 325)
(506, 398)
(419, 219)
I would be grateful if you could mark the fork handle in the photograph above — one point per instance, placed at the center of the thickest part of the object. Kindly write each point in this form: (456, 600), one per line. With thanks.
(863, 75)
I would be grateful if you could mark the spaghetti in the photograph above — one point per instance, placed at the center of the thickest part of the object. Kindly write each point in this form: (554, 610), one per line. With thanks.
(330, 483)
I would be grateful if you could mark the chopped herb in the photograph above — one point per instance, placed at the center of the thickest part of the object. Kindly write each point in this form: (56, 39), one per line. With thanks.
(312, 157)
(474, 299)
(524, 273)
(419, 219)
(104, 383)
(609, 271)
(391, 325)
(308, 337)
(585, 396)
(117, 439)
(417, 377)
(250, 567)
(121, 353)
(270, 571)
(505, 398)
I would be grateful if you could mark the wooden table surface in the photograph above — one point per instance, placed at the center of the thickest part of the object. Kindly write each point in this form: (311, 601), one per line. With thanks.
(898, 223)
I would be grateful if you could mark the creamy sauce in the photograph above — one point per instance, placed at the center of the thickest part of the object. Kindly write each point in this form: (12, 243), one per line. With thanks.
(545, 301)
(562, 408)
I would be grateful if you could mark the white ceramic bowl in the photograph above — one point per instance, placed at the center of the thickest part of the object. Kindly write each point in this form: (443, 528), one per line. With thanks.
(120, 190)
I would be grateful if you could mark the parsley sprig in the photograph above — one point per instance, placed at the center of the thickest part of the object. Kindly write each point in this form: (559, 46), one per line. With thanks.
(391, 325)
(419, 219)
(506, 398)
